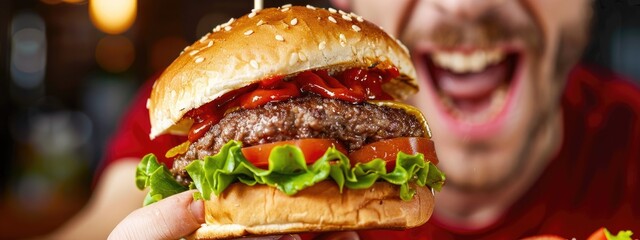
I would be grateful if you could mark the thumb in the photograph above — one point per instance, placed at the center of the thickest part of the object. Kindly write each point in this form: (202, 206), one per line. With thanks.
(170, 218)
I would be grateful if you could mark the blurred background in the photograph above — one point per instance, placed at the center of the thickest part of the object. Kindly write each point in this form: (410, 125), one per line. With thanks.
(70, 67)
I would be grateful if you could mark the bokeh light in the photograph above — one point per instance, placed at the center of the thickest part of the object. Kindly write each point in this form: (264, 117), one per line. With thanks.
(112, 16)
(28, 50)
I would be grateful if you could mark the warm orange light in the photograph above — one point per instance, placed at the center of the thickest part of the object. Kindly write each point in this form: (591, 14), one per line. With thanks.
(112, 16)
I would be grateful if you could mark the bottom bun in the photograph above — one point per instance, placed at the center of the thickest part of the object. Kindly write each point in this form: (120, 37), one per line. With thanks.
(243, 210)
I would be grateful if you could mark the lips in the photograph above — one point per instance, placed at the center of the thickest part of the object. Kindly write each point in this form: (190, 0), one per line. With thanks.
(474, 88)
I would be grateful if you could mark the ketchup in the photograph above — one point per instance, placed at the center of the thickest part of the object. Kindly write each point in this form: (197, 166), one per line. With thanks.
(353, 85)
(321, 83)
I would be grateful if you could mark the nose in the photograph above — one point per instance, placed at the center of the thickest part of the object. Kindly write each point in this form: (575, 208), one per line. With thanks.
(468, 9)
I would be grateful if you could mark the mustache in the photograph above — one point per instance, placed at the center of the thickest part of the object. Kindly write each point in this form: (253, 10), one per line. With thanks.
(487, 31)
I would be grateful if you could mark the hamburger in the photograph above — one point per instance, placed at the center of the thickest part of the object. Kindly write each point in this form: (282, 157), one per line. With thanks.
(294, 125)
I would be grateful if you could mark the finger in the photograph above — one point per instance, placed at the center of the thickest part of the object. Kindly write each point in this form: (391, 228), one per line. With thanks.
(349, 235)
(170, 218)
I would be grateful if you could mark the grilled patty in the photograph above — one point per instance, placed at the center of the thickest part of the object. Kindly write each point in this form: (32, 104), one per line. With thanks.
(353, 125)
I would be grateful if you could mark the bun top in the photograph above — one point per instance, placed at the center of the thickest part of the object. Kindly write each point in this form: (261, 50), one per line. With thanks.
(271, 42)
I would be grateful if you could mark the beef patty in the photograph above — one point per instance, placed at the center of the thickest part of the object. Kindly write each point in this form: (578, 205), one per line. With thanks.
(353, 125)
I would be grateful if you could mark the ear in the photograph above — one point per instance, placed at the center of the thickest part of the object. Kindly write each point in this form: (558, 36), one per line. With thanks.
(342, 4)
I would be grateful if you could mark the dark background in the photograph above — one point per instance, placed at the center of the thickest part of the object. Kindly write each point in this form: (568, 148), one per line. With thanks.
(65, 83)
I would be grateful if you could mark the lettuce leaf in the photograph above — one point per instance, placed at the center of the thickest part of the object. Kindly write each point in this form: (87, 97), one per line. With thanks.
(288, 172)
(622, 235)
(157, 177)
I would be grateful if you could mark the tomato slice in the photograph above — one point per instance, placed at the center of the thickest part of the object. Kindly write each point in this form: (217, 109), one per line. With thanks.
(598, 235)
(388, 150)
(312, 148)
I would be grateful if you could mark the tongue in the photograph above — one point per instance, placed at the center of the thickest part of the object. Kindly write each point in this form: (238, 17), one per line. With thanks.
(471, 92)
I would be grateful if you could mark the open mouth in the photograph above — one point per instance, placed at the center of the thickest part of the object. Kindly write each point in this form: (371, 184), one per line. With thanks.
(473, 87)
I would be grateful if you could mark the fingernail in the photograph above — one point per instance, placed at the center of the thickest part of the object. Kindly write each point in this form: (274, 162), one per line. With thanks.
(197, 210)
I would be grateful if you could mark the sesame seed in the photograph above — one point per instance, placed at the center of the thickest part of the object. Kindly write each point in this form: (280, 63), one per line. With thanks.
(322, 45)
(294, 21)
(181, 52)
(342, 12)
(343, 40)
(355, 28)
(333, 20)
(148, 103)
(253, 64)
(231, 21)
(210, 44)
(217, 28)
(332, 10)
(279, 38)
(346, 17)
(284, 9)
(251, 15)
(249, 32)
(287, 5)
(199, 59)
(260, 22)
(204, 38)
(255, 10)
(302, 57)
(194, 52)
(227, 28)
(359, 18)
(186, 48)
(311, 7)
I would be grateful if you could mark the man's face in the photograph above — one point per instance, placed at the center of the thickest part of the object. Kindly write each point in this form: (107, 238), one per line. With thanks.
(490, 73)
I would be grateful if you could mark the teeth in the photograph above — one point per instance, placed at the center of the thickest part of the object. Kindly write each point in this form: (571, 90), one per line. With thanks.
(468, 63)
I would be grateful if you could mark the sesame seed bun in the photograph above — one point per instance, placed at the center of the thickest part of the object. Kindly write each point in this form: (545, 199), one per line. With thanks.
(271, 42)
(274, 213)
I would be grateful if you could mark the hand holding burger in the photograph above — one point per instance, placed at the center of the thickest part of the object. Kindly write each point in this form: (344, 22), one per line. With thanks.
(180, 216)
(172, 218)
(294, 125)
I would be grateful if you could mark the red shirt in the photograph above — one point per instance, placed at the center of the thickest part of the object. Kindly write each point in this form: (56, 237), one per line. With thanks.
(593, 182)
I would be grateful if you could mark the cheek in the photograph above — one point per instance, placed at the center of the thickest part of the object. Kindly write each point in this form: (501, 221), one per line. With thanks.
(564, 26)
(384, 13)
